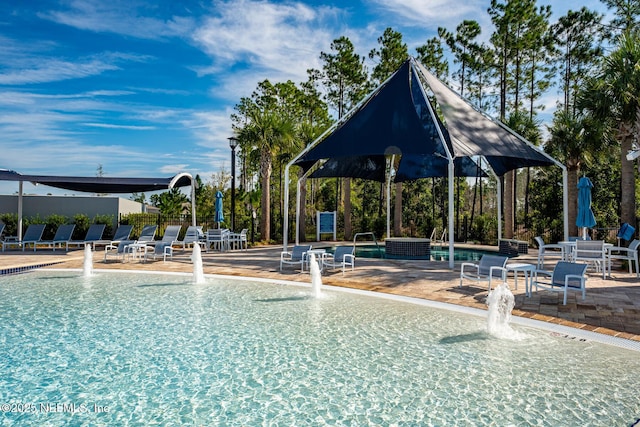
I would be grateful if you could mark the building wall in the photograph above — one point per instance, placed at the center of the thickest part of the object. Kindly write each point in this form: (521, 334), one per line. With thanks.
(69, 206)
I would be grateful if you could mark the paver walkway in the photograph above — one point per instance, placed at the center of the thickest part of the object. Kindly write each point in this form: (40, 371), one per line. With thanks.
(612, 306)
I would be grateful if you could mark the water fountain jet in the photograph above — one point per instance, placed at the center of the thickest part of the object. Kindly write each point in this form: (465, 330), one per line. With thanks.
(88, 261)
(196, 258)
(316, 276)
(501, 303)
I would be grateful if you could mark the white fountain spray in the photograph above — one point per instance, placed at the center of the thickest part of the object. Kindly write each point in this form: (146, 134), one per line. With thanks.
(501, 302)
(88, 261)
(316, 276)
(196, 258)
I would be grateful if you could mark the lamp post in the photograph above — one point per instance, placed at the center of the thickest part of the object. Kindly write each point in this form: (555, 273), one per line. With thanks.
(233, 143)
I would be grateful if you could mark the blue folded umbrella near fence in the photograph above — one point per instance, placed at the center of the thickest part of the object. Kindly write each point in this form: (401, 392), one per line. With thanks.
(585, 218)
(219, 215)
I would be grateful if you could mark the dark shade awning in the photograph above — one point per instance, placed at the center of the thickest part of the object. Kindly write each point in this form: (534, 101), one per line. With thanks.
(365, 167)
(389, 123)
(473, 133)
(98, 184)
(397, 119)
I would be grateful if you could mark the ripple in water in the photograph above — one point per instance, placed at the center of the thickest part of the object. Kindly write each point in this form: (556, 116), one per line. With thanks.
(156, 350)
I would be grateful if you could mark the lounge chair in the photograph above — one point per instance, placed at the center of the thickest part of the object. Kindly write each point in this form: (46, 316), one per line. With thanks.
(170, 235)
(94, 234)
(341, 257)
(164, 246)
(122, 233)
(120, 250)
(192, 236)
(490, 266)
(163, 249)
(147, 234)
(139, 247)
(295, 257)
(566, 276)
(629, 254)
(62, 237)
(545, 249)
(32, 235)
(4, 241)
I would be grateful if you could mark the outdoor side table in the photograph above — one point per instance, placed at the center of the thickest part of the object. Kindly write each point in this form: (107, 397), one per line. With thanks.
(319, 253)
(527, 270)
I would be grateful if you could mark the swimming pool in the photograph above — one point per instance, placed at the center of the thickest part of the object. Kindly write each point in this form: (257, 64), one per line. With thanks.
(146, 349)
(438, 253)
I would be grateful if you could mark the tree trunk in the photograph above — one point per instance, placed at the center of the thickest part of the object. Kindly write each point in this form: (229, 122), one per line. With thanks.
(347, 209)
(397, 211)
(627, 179)
(265, 183)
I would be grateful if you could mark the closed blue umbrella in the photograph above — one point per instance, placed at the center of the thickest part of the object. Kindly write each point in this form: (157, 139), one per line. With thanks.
(585, 218)
(219, 215)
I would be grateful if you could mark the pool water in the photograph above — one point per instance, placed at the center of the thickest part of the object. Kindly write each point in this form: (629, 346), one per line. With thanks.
(141, 349)
(438, 253)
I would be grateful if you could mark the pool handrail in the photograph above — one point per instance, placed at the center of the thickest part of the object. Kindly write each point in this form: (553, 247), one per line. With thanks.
(366, 233)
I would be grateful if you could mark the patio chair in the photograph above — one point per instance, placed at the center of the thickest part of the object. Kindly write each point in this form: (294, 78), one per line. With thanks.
(239, 240)
(626, 232)
(32, 235)
(94, 234)
(62, 237)
(629, 254)
(490, 266)
(565, 276)
(592, 251)
(548, 250)
(342, 257)
(295, 257)
(120, 250)
(218, 238)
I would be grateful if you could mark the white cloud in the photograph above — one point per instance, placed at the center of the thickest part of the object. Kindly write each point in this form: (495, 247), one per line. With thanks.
(115, 126)
(54, 70)
(434, 13)
(125, 17)
(173, 169)
(284, 39)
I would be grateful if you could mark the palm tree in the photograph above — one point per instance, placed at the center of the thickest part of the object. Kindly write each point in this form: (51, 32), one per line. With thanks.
(613, 96)
(567, 140)
(265, 132)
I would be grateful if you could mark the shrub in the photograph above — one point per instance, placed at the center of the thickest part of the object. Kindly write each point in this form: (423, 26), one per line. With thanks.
(53, 222)
(10, 221)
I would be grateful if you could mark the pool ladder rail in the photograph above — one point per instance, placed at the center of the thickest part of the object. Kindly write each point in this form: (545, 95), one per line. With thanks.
(443, 237)
(367, 233)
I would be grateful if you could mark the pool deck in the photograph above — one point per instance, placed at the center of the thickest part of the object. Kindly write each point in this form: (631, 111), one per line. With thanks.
(611, 307)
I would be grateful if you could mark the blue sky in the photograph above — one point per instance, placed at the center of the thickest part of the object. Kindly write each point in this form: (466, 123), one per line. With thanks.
(145, 88)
